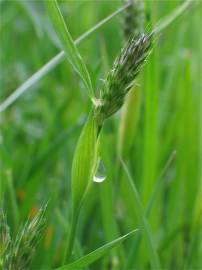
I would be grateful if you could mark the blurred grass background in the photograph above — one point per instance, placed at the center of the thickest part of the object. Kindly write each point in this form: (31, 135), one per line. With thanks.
(39, 133)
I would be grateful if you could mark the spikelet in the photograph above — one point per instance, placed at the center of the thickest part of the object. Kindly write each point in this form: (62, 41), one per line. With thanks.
(21, 250)
(121, 77)
(4, 238)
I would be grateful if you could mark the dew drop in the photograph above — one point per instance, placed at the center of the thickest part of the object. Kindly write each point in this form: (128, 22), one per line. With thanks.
(100, 174)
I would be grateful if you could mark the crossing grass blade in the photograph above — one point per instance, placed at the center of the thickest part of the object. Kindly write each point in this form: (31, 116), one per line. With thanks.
(96, 254)
(154, 194)
(139, 210)
(72, 53)
(163, 23)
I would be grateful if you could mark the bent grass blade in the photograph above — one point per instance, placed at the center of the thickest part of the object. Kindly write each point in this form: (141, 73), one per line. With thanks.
(71, 51)
(96, 254)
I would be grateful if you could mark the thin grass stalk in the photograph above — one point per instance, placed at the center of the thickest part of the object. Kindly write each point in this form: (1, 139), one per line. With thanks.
(157, 187)
(165, 22)
(66, 227)
(71, 237)
(12, 199)
(139, 210)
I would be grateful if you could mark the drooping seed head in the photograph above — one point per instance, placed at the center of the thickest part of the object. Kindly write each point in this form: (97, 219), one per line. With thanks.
(121, 77)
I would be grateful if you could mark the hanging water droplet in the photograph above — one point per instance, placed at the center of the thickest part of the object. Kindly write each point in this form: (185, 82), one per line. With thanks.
(100, 174)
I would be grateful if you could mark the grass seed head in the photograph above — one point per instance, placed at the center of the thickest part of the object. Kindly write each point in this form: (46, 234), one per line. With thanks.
(21, 250)
(121, 77)
(4, 237)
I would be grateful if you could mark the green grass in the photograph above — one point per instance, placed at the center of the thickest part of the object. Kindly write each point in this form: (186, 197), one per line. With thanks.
(158, 191)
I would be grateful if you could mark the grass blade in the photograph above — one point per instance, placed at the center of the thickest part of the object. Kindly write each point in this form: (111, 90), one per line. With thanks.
(72, 53)
(162, 24)
(83, 166)
(158, 185)
(37, 76)
(96, 254)
(12, 199)
(139, 209)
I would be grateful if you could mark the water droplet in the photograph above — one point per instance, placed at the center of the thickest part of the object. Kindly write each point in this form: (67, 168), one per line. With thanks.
(100, 174)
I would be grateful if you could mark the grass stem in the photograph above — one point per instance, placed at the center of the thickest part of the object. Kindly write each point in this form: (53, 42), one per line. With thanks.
(71, 239)
(139, 209)
(12, 198)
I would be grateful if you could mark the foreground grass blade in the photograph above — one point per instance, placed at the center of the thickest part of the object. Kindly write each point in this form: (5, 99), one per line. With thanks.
(84, 160)
(96, 254)
(139, 209)
(72, 53)
(83, 166)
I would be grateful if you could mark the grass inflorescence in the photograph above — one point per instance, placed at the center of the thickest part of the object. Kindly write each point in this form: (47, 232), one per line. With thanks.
(121, 78)
(17, 253)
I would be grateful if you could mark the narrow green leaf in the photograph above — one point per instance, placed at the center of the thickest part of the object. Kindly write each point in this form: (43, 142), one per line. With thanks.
(83, 168)
(84, 161)
(139, 211)
(96, 254)
(166, 21)
(72, 53)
